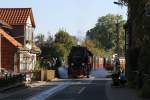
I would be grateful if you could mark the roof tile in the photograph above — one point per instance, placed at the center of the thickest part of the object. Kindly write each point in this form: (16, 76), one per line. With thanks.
(16, 16)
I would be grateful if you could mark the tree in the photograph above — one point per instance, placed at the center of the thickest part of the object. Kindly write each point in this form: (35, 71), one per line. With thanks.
(66, 39)
(137, 58)
(49, 40)
(64, 42)
(57, 47)
(90, 44)
(39, 40)
(59, 51)
(45, 45)
(104, 32)
(123, 2)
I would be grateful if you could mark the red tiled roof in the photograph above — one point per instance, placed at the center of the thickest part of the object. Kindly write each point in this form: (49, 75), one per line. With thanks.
(10, 39)
(16, 16)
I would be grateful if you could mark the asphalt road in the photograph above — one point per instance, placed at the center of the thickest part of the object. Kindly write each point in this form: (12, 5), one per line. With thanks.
(82, 90)
(65, 89)
(22, 93)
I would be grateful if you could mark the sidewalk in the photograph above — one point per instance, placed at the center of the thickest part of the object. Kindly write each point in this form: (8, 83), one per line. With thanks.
(11, 86)
(114, 93)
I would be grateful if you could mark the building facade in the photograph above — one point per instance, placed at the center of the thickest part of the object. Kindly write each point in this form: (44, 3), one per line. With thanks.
(18, 51)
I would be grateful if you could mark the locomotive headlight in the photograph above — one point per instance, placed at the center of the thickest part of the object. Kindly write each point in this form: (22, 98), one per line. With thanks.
(83, 64)
(72, 64)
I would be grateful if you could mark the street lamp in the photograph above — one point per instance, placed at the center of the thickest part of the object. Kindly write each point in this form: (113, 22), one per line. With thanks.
(118, 3)
(117, 62)
(117, 28)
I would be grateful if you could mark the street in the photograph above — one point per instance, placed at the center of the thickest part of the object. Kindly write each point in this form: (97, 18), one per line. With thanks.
(77, 89)
(75, 50)
(92, 88)
(97, 87)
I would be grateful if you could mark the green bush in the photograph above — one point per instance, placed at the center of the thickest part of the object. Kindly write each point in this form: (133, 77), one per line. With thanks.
(36, 76)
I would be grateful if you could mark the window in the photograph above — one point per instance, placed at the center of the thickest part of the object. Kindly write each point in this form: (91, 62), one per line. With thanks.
(29, 32)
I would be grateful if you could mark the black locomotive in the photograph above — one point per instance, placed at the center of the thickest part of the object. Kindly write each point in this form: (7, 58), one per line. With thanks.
(80, 62)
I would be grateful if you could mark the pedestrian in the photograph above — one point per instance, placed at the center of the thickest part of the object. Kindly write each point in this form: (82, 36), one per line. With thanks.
(122, 78)
(115, 77)
(116, 63)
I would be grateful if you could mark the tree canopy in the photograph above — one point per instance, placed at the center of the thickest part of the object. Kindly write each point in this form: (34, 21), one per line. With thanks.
(104, 33)
(90, 44)
(56, 47)
(63, 37)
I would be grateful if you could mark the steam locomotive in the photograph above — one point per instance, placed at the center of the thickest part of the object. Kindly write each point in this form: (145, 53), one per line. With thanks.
(80, 61)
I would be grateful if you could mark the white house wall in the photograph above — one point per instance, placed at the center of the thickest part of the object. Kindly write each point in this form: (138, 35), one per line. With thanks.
(33, 62)
(29, 30)
(27, 62)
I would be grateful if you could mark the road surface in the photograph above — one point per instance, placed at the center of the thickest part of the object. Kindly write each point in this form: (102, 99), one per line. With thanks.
(63, 89)
(91, 89)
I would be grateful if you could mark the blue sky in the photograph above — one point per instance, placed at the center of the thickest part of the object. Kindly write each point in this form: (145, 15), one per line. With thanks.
(75, 16)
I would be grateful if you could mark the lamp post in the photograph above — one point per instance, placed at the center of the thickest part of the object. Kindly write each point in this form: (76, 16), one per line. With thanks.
(117, 29)
(117, 36)
(117, 61)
